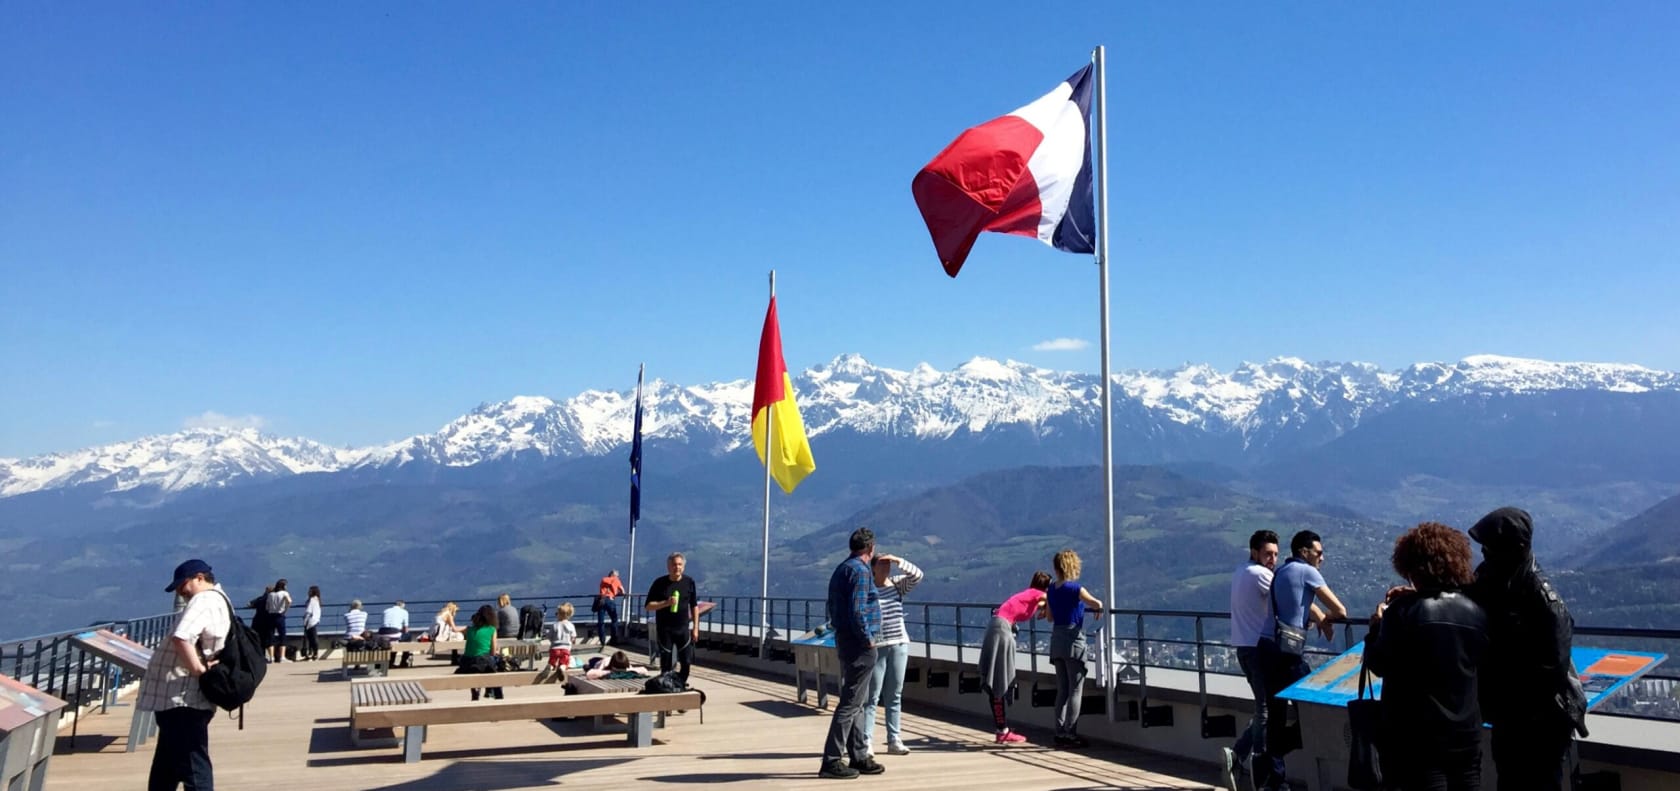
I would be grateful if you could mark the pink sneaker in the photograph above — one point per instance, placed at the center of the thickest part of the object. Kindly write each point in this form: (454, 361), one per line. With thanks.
(1011, 737)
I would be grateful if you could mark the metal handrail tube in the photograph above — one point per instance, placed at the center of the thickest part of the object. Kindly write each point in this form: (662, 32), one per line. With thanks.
(55, 660)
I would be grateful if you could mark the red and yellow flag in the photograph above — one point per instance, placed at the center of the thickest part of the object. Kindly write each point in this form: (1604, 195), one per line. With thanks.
(790, 460)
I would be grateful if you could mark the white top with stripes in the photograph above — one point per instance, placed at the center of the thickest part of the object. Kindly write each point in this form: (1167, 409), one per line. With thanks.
(892, 602)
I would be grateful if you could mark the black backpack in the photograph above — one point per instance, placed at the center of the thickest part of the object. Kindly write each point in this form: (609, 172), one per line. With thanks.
(530, 622)
(240, 666)
(664, 682)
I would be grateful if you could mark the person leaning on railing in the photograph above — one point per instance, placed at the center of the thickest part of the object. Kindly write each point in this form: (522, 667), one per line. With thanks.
(1295, 585)
(997, 651)
(1067, 601)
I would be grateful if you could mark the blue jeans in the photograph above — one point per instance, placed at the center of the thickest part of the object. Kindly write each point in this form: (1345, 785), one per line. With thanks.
(609, 607)
(1252, 741)
(886, 688)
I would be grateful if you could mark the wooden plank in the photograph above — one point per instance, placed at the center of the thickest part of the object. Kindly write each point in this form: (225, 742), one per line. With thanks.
(496, 710)
(464, 680)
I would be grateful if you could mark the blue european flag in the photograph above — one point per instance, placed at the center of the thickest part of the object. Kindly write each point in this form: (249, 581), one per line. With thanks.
(636, 461)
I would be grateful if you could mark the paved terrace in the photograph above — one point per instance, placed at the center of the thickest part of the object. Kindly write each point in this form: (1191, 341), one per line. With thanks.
(754, 736)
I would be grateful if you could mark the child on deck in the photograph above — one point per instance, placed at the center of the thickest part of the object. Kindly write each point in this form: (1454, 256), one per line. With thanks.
(560, 636)
(997, 651)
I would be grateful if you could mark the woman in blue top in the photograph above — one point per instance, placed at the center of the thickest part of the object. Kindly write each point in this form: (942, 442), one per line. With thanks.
(1068, 602)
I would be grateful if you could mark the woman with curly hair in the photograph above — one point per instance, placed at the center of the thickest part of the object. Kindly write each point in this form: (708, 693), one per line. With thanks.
(1427, 642)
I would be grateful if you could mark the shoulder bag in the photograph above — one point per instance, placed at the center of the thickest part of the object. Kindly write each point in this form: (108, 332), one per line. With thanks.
(1364, 737)
(1290, 640)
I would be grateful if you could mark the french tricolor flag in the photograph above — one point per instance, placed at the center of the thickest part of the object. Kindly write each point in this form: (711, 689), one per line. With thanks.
(1027, 173)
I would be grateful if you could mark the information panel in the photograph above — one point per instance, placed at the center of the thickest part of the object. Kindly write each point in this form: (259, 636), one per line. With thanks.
(119, 650)
(21, 704)
(1603, 672)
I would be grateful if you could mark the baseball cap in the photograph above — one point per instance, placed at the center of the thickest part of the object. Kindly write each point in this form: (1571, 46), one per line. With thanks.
(187, 571)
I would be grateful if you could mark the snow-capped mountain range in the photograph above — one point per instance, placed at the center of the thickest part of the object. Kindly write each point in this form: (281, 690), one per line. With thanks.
(1261, 408)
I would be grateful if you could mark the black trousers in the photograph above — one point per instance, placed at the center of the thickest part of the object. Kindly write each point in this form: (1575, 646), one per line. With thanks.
(1281, 670)
(1531, 753)
(1458, 770)
(845, 731)
(675, 648)
(312, 642)
(183, 751)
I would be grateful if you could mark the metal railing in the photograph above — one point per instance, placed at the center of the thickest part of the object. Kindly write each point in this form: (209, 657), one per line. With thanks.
(1146, 638)
(54, 663)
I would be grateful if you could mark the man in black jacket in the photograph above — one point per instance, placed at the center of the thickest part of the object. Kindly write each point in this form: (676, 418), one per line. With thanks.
(1526, 691)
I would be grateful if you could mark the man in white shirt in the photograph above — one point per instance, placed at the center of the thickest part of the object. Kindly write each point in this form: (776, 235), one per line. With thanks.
(1251, 619)
(170, 689)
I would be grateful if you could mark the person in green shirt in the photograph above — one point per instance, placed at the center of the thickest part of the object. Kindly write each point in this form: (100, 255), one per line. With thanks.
(480, 654)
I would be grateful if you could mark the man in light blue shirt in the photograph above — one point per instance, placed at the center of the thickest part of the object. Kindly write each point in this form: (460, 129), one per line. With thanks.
(394, 622)
(1295, 585)
(394, 627)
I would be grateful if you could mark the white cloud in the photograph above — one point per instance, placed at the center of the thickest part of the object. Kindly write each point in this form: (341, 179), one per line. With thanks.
(1061, 345)
(214, 419)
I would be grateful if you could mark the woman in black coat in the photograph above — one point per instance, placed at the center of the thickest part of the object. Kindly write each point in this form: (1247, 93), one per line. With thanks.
(1428, 642)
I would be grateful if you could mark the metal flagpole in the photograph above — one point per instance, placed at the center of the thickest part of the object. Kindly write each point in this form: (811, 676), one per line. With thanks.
(1109, 653)
(769, 448)
(630, 584)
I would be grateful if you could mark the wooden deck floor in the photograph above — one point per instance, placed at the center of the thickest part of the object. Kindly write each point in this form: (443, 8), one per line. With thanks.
(755, 736)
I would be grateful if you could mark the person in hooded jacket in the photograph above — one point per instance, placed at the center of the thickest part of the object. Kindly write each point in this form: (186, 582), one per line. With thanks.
(1427, 642)
(1529, 693)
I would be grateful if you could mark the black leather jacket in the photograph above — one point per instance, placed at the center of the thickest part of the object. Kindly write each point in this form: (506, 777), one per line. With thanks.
(1429, 649)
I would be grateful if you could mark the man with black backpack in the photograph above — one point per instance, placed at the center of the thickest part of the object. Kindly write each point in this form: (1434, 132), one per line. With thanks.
(171, 686)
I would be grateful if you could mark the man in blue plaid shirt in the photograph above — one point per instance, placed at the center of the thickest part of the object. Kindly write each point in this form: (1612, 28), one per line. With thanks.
(855, 613)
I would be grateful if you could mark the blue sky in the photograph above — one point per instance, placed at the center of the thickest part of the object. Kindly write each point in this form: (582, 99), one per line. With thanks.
(356, 224)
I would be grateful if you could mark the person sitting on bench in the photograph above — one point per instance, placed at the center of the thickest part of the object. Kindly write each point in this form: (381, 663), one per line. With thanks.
(480, 654)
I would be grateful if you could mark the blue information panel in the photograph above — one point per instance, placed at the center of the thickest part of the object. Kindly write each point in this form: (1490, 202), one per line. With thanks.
(826, 639)
(1603, 672)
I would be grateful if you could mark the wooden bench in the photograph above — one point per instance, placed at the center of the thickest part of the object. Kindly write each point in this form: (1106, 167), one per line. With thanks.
(415, 718)
(378, 661)
(379, 692)
(527, 653)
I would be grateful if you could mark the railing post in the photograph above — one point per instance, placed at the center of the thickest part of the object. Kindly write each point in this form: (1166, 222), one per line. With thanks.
(1143, 668)
(927, 635)
(959, 636)
(1201, 669)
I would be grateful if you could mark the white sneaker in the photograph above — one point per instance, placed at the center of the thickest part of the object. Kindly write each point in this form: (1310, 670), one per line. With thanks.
(1229, 766)
(897, 748)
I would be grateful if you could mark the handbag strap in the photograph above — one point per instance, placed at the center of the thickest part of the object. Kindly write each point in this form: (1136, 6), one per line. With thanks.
(1272, 592)
(1364, 674)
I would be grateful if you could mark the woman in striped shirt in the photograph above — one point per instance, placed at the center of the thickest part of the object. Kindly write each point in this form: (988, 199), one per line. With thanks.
(892, 650)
